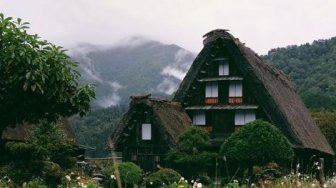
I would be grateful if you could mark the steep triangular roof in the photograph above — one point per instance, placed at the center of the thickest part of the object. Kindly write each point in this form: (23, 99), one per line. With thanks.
(169, 116)
(270, 87)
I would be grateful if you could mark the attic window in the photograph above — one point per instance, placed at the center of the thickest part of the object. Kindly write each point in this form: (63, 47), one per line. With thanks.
(146, 131)
(244, 116)
(199, 118)
(223, 68)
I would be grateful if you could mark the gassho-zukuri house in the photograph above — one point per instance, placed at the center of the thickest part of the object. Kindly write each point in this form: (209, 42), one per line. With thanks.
(148, 130)
(227, 86)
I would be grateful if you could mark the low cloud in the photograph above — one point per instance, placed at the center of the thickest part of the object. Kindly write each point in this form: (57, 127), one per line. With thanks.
(110, 100)
(174, 73)
(167, 86)
(90, 74)
(171, 71)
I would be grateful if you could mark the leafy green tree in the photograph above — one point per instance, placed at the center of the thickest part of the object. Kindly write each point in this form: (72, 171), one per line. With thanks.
(326, 120)
(257, 143)
(37, 79)
(192, 156)
(45, 154)
(130, 173)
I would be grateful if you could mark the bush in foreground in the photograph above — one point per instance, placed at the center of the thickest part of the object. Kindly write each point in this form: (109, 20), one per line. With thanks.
(257, 143)
(165, 176)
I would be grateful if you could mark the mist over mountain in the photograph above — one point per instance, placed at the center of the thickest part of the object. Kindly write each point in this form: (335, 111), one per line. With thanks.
(133, 66)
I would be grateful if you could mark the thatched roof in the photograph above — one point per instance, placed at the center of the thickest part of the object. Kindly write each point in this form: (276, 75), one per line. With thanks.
(21, 132)
(168, 117)
(272, 89)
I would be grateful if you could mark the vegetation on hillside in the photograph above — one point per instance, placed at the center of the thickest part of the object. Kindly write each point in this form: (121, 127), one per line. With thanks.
(326, 120)
(312, 67)
(94, 129)
(127, 69)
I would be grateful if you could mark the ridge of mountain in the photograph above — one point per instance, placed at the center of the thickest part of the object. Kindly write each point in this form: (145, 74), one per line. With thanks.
(132, 67)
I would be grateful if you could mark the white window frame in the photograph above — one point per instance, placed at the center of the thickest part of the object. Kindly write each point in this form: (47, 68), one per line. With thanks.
(211, 89)
(223, 68)
(146, 131)
(236, 89)
(199, 118)
(244, 116)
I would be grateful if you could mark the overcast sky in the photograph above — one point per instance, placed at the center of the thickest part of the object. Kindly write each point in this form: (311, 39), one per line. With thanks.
(261, 24)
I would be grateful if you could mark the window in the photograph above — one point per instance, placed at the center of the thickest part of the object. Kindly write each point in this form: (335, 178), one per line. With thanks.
(244, 116)
(236, 89)
(223, 68)
(146, 131)
(211, 89)
(199, 118)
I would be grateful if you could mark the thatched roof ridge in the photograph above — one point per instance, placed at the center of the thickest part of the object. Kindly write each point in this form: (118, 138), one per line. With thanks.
(271, 88)
(169, 115)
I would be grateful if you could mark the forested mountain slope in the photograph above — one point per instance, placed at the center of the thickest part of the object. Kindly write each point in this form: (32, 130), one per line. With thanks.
(93, 129)
(312, 67)
(133, 66)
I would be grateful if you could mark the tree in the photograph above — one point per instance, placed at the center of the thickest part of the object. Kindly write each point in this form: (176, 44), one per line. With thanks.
(45, 153)
(130, 173)
(191, 156)
(257, 143)
(326, 120)
(37, 78)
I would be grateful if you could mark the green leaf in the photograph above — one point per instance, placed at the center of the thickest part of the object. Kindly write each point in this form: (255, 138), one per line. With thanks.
(28, 75)
(33, 87)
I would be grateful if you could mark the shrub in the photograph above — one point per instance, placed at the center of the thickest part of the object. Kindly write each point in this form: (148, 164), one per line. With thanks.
(52, 173)
(257, 143)
(192, 157)
(130, 173)
(35, 183)
(165, 176)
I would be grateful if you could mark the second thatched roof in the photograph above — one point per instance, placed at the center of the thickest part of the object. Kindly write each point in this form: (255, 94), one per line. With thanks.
(169, 117)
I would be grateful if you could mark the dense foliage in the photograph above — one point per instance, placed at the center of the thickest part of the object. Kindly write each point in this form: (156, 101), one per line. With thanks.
(130, 173)
(257, 143)
(38, 85)
(312, 67)
(45, 154)
(165, 176)
(37, 79)
(192, 157)
(326, 120)
(94, 129)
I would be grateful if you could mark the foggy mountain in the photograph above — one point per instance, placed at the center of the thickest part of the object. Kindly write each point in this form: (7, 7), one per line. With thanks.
(133, 66)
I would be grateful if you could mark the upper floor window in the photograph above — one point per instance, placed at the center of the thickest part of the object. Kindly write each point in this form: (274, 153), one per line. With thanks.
(244, 116)
(236, 89)
(146, 131)
(223, 68)
(199, 118)
(211, 92)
